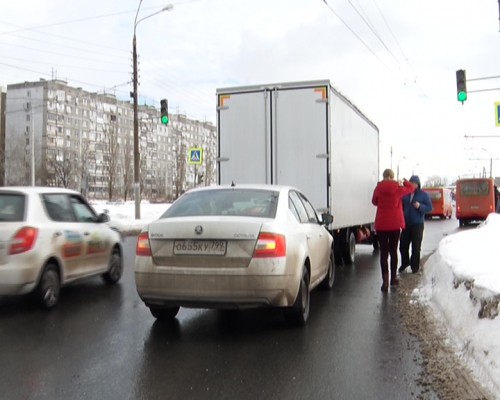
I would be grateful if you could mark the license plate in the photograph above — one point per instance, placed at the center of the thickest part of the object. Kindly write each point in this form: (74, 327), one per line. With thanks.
(200, 247)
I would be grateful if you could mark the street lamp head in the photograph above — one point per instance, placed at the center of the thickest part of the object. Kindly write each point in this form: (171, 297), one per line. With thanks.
(168, 7)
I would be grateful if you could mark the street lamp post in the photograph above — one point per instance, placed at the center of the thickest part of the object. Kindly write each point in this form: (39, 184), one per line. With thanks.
(397, 173)
(137, 185)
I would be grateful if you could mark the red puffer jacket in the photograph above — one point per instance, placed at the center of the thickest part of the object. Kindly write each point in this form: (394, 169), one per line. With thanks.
(387, 197)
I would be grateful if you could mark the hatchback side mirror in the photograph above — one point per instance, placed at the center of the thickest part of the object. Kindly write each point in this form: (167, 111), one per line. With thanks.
(103, 217)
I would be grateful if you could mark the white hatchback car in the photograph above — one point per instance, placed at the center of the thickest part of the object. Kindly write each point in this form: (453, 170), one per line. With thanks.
(235, 247)
(50, 237)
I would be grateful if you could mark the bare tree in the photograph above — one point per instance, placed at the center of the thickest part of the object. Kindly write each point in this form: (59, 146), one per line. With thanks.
(209, 165)
(113, 151)
(15, 164)
(436, 181)
(63, 169)
(180, 177)
(128, 170)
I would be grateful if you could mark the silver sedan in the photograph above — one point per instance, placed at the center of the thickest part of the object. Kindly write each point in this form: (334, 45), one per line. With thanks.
(235, 247)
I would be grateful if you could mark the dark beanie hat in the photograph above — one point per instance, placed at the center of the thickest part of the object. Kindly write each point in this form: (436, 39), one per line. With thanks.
(415, 179)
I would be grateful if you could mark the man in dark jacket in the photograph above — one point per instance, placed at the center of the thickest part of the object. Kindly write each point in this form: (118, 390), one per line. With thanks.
(415, 206)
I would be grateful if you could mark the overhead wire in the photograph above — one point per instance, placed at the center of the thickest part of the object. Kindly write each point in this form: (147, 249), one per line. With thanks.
(355, 34)
(369, 25)
(40, 28)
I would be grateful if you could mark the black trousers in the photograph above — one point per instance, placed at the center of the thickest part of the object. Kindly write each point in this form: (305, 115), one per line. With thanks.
(412, 235)
(388, 242)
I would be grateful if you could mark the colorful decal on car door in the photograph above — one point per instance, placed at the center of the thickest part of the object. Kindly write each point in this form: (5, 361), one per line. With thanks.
(96, 245)
(73, 244)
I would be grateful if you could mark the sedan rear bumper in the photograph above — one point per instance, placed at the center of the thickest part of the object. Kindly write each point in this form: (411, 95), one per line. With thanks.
(216, 291)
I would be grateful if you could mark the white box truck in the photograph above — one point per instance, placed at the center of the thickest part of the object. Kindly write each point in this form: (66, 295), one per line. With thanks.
(307, 135)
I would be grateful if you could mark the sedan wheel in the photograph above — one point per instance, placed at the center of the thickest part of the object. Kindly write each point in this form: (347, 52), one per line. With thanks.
(299, 313)
(115, 270)
(49, 287)
(164, 313)
(329, 279)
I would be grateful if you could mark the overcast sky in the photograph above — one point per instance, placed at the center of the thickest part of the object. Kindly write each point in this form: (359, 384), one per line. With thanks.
(395, 60)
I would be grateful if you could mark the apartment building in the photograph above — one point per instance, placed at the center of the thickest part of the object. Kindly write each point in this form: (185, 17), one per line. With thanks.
(58, 135)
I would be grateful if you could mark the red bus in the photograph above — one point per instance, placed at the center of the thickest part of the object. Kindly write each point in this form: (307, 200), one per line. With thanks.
(441, 202)
(475, 199)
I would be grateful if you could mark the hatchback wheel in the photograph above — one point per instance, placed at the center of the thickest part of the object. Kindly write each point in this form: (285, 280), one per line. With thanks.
(115, 270)
(299, 312)
(164, 313)
(49, 286)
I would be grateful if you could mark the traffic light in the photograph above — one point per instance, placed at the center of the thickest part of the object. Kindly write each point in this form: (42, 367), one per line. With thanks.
(461, 86)
(164, 111)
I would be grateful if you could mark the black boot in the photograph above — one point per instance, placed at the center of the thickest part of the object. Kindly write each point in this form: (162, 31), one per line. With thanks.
(394, 276)
(385, 282)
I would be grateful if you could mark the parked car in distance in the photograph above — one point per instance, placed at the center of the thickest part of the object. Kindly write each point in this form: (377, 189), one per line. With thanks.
(238, 246)
(50, 237)
(442, 206)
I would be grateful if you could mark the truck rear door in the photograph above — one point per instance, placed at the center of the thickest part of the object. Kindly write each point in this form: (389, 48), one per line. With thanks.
(244, 138)
(301, 140)
(276, 135)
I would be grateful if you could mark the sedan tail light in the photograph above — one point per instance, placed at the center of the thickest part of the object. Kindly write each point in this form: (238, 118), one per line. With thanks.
(23, 240)
(142, 248)
(270, 245)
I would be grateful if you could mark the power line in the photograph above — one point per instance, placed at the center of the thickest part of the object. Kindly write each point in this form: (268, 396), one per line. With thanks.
(373, 31)
(355, 34)
(66, 66)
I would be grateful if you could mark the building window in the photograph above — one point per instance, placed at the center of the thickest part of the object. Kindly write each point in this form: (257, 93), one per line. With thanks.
(28, 118)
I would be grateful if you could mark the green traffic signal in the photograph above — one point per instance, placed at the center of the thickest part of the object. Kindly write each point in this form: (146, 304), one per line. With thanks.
(461, 85)
(164, 111)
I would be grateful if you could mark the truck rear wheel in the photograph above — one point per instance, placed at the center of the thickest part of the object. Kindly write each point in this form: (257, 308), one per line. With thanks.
(349, 249)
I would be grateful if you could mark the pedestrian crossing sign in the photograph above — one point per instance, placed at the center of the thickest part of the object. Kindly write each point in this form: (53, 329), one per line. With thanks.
(497, 113)
(195, 155)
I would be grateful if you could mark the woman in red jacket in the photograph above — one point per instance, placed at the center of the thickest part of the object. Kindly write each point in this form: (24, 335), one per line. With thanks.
(389, 221)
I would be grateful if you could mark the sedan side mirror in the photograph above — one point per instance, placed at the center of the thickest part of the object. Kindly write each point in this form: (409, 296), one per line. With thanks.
(327, 218)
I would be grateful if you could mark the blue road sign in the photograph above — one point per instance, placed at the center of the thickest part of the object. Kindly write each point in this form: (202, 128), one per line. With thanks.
(195, 155)
(497, 113)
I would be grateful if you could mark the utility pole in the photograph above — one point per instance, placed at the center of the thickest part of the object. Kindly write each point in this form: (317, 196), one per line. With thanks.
(137, 185)
(137, 189)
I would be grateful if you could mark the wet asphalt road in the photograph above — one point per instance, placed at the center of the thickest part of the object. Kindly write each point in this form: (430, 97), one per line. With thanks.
(102, 343)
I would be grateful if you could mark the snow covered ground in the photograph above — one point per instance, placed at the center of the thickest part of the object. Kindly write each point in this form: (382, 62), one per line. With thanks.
(460, 283)
(122, 215)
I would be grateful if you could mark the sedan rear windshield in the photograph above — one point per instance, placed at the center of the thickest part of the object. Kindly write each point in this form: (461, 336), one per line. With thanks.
(12, 207)
(235, 202)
